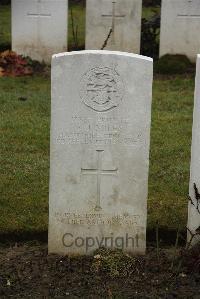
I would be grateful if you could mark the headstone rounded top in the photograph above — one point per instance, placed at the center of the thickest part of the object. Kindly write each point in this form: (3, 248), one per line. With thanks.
(102, 52)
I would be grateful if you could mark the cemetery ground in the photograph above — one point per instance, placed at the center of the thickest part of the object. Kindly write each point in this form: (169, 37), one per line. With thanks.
(28, 272)
(26, 269)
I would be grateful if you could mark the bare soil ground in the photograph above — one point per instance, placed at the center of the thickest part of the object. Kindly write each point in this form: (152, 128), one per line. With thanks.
(27, 271)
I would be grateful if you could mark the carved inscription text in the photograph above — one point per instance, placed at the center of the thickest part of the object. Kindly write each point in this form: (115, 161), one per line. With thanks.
(98, 219)
(101, 131)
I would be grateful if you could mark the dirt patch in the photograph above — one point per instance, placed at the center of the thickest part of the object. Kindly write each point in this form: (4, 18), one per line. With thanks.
(27, 271)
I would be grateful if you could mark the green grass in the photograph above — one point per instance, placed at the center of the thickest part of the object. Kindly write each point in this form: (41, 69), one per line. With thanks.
(24, 151)
(78, 13)
(24, 154)
(170, 151)
(5, 25)
(149, 12)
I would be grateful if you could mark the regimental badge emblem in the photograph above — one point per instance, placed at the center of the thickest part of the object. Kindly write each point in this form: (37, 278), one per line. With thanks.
(101, 89)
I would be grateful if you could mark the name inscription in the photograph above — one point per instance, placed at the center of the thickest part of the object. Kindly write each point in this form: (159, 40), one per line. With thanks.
(100, 131)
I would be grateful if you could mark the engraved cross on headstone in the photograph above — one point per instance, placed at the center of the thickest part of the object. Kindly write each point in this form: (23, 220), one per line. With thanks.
(114, 16)
(39, 13)
(190, 13)
(99, 172)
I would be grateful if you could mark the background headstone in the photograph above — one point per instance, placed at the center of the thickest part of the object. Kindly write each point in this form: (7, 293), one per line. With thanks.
(180, 27)
(100, 134)
(194, 206)
(122, 16)
(39, 28)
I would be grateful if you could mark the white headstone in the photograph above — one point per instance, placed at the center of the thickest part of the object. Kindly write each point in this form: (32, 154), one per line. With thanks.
(100, 133)
(180, 27)
(122, 16)
(194, 205)
(39, 28)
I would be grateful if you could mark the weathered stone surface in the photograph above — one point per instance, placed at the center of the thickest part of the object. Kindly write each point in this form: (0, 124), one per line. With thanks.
(39, 28)
(100, 133)
(194, 206)
(122, 16)
(180, 26)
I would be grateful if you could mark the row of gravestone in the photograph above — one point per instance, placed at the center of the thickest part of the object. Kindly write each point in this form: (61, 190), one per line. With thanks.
(100, 138)
(39, 27)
